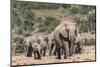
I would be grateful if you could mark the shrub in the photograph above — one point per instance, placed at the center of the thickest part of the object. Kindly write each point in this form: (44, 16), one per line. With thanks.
(18, 40)
(19, 48)
(91, 42)
(48, 25)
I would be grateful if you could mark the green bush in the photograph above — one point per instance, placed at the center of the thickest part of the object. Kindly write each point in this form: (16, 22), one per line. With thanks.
(49, 24)
(18, 40)
(91, 42)
(19, 48)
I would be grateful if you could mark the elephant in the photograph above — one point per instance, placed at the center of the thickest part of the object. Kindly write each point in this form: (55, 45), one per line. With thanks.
(32, 46)
(28, 41)
(72, 31)
(36, 50)
(28, 47)
(64, 36)
(79, 43)
(51, 44)
(43, 43)
(59, 34)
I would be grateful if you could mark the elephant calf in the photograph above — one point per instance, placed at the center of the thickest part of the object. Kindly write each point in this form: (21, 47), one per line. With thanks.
(43, 44)
(36, 50)
(31, 46)
(78, 47)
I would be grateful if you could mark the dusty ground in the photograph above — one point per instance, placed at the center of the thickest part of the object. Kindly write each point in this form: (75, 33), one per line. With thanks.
(87, 55)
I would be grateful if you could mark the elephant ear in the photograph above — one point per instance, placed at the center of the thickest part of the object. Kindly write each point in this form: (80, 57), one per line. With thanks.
(64, 32)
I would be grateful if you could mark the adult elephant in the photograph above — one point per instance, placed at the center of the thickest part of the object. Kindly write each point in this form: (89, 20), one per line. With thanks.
(64, 36)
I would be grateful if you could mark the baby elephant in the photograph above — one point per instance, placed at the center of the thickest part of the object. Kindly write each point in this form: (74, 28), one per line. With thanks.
(36, 50)
(78, 47)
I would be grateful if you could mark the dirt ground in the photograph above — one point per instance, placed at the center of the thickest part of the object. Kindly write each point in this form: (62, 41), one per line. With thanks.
(87, 55)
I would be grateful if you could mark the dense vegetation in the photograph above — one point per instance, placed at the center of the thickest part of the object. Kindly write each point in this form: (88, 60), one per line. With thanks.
(29, 17)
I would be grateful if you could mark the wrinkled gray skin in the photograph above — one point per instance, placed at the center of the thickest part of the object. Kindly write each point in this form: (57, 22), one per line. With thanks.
(64, 36)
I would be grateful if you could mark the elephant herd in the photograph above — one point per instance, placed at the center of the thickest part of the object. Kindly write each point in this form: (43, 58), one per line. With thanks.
(64, 40)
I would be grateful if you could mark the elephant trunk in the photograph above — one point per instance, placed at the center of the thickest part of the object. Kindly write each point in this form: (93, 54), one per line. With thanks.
(71, 44)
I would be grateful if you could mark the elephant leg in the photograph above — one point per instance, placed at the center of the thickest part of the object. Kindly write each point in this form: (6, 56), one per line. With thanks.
(35, 56)
(71, 48)
(66, 50)
(44, 51)
(41, 51)
(51, 49)
(75, 48)
(58, 49)
(71, 51)
(50, 52)
(29, 53)
(25, 50)
(54, 51)
(38, 55)
(59, 53)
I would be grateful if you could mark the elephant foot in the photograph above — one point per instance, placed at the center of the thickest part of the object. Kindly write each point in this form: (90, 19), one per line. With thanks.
(29, 55)
(39, 57)
(58, 57)
(65, 57)
(36, 58)
(70, 54)
(44, 55)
